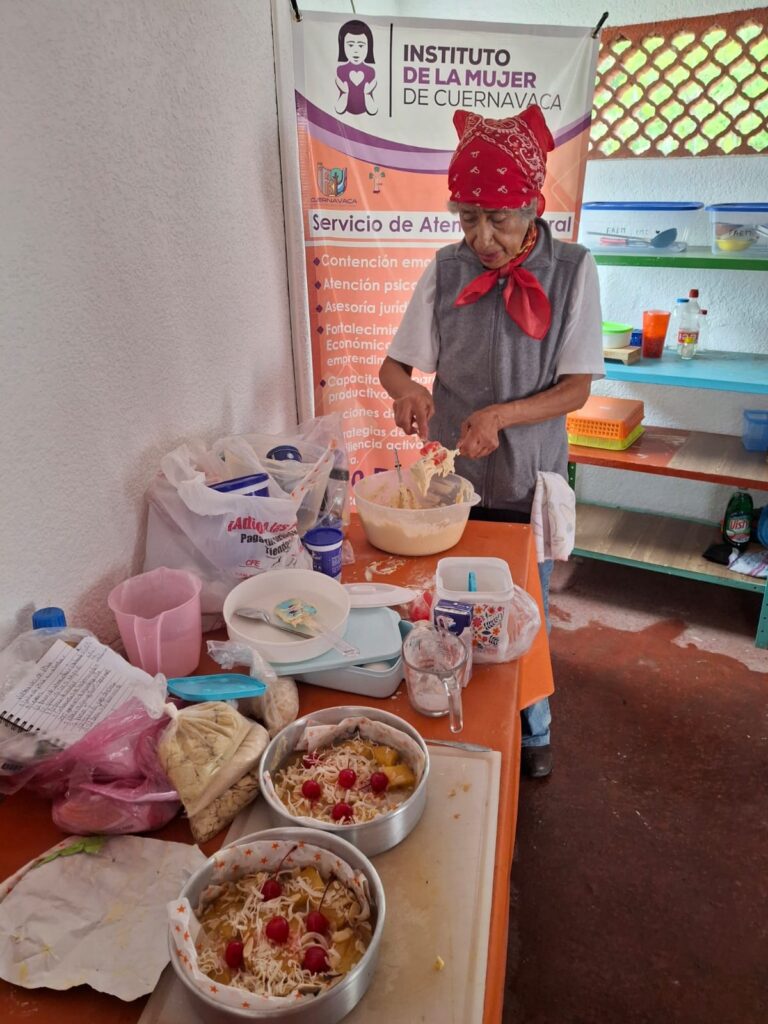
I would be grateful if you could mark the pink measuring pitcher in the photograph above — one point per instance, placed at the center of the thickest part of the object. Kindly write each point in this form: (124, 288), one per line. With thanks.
(158, 615)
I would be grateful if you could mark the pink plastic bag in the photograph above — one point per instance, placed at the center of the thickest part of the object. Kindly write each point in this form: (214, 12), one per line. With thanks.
(110, 781)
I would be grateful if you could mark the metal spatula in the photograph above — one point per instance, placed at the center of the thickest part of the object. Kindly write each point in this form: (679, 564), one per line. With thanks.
(443, 490)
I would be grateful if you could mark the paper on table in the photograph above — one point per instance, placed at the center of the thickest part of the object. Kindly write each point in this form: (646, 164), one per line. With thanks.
(71, 689)
(94, 919)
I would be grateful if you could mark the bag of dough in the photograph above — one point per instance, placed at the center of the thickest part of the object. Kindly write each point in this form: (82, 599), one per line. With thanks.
(210, 752)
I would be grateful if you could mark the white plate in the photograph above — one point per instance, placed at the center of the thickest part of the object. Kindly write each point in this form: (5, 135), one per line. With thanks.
(269, 589)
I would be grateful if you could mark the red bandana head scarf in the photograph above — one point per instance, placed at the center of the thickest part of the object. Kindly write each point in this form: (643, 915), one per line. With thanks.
(500, 165)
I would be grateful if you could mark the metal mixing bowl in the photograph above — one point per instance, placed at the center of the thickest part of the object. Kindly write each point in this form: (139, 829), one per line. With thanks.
(328, 1007)
(371, 837)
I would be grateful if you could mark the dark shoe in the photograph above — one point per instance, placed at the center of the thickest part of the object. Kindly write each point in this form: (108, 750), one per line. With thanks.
(536, 762)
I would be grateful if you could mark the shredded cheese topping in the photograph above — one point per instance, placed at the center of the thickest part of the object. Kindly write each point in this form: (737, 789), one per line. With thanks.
(237, 911)
(323, 765)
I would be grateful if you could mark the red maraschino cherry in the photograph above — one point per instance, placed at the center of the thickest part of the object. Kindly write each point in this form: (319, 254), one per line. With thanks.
(315, 960)
(347, 778)
(379, 782)
(316, 921)
(233, 955)
(310, 760)
(277, 930)
(311, 789)
(271, 889)
(342, 811)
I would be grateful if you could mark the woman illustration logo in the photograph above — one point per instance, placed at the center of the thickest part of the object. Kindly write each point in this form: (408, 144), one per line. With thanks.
(355, 78)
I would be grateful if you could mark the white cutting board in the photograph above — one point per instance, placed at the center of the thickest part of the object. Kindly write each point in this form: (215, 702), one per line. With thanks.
(438, 883)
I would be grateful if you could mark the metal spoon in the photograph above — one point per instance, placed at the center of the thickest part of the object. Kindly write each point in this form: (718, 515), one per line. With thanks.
(398, 470)
(336, 639)
(660, 241)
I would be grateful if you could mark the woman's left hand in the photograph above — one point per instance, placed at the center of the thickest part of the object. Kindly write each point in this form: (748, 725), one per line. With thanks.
(480, 433)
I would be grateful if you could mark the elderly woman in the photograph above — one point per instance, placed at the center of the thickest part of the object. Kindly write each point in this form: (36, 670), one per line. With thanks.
(509, 319)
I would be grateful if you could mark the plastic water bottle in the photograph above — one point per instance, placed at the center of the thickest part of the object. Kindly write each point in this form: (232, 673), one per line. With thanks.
(693, 300)
(674, 320)
(703, 331)
(687, 332)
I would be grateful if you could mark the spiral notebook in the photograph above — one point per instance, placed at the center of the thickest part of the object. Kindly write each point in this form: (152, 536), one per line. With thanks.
(67, 692)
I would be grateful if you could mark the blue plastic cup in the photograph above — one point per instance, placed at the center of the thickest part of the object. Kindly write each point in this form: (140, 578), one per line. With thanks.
(253, 486)
(324, 544)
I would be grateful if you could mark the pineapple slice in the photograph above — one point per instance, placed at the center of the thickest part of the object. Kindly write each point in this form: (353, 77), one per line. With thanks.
(385, 756)
(400, 776)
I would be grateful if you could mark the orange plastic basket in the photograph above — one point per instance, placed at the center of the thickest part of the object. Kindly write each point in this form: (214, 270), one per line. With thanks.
(601, 416)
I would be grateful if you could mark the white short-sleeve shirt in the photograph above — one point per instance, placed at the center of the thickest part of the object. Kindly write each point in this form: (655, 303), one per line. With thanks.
(417, 340)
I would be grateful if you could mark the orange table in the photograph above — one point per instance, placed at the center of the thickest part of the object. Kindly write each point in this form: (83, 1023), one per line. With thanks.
(491, 704)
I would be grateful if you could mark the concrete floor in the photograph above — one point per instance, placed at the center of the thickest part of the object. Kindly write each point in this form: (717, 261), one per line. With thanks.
(640, 883)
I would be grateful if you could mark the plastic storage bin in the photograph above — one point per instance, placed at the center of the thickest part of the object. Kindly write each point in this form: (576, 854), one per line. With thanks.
(605, 417)
(632, 227)
(491, 601)
(739, 228)
(754, 434)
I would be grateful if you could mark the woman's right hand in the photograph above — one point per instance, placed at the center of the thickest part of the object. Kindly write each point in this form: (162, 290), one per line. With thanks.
(413, 410)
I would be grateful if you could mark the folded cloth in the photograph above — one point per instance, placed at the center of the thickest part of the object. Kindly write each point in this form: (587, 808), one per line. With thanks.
(553, 517)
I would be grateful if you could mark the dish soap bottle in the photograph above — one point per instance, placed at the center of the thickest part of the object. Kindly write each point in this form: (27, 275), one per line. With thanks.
(737, 523)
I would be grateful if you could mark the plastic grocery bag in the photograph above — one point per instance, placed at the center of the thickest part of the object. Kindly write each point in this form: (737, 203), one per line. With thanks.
(110, 781)
(523, 624)
(221, 537)
(211, 754)
(326, 499)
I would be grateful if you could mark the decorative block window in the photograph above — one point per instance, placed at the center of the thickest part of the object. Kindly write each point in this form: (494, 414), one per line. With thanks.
(690, 87)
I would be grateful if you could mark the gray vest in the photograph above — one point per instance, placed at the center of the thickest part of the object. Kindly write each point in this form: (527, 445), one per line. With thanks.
(485, 359)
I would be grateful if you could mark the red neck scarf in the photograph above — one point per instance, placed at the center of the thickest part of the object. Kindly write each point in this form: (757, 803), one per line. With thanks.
(525, 299)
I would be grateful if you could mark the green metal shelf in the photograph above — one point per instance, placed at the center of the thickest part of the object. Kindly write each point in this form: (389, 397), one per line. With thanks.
(699, 257)
(714, 371)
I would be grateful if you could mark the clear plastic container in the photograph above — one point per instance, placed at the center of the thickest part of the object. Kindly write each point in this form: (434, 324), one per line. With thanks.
(740, 229)
(408, 531)
(638, 228)
(491, 600)
(754, 434)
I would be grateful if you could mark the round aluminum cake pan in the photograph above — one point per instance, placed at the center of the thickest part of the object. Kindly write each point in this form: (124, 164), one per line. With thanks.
(371, 837)
(328, 1007)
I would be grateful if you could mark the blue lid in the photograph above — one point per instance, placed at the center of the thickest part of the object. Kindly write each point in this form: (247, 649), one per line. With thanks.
(242, 481)
(642, 206)
(49, 618)
(740, 207)
(682, 300)
(323, 535)
(284, 453)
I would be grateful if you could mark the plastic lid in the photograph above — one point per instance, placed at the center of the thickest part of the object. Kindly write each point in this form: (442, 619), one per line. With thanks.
(322, 536)
(741, 207)
(683, 300)
(644, 206)
(49, 618)
(693, 293)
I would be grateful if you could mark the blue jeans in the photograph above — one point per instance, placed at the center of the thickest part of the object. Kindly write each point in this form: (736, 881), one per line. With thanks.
(535, 720)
